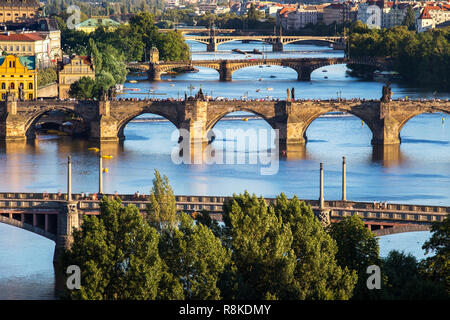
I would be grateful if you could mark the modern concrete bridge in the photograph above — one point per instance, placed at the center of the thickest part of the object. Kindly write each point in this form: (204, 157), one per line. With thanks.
(52, 216)
(303, 66)
(105, 120)
(277, 41)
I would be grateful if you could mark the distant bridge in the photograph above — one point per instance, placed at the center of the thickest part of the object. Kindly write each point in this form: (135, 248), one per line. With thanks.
(276, 41)
(303, 66)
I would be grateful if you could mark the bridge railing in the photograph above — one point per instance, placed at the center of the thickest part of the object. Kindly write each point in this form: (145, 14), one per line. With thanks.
(25, 199)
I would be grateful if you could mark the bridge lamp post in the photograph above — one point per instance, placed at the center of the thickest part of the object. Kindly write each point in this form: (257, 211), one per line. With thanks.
(344, 169)
(100, 167)
(321, 198)
(69, 178)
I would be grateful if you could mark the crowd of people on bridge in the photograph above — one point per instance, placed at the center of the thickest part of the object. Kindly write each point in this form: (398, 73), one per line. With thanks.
(270, 99)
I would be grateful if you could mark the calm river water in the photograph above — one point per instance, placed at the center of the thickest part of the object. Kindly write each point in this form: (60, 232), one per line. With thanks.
(416, 172)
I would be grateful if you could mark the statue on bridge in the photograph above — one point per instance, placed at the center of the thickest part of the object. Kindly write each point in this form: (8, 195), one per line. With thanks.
(21, 93)
(111, 93)
(387, 92)
(200, 95)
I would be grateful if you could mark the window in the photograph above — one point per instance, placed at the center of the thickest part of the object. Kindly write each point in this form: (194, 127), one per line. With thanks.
(30, 85)
(11, 86)
(3, 96)
(3, 85)
(30, 96)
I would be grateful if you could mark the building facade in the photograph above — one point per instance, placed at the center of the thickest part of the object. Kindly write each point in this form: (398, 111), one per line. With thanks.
(34, 44)
(19, 10)
(91, 24)
(17, 77)
(72, 70)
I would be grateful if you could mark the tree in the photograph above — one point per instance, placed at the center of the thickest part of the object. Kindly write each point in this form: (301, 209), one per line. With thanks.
(357, 249)
(117, 254)
(162, 209)
(46, 76)
(82, 89)
(263, 260)
(95, 54)
(196, 258)
(172, 47)
(406, 282)
(317, 271)
(410, 19)
(437, 267)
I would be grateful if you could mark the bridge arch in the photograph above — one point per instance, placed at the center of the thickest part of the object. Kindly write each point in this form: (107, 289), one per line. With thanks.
(129, 117)
(217, 117)
(30, 123)
(29, 227)
(367, 121)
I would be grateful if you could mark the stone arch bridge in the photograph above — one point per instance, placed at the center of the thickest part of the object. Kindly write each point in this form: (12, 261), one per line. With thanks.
(303, 66)
(106, 120)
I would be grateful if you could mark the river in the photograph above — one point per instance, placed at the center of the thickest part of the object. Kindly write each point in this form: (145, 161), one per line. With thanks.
(416, 172)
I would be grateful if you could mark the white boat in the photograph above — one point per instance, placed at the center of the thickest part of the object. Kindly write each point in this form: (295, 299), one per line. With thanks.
(269, 89)
(171, 84)
(257, 90)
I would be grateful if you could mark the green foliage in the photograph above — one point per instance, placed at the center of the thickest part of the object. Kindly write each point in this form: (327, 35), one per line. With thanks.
(421, 58)
(196, 258)
(437, 267)
(82, 89)
(281, 252)
(261, 248)
(162, 209)
(357, 249)
(317, 273)
(117, 254)
(46, 76)
(410, 20)
(172, 47)
(406, 282)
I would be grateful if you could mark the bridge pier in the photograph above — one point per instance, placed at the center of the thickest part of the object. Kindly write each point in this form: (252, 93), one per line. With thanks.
(211, 47)
(277, 47)
(154, 73)
(304, 74)
(12, 126)
(225, 71)
(104, 127)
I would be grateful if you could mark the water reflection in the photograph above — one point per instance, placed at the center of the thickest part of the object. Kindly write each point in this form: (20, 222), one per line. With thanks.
(388, 155)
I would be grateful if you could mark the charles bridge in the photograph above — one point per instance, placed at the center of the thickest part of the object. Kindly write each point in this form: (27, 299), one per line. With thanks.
(303, 66)
(105, 120)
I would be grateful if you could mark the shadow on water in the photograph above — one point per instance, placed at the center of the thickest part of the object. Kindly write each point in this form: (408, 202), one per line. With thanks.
(439, 142)
(388, 155)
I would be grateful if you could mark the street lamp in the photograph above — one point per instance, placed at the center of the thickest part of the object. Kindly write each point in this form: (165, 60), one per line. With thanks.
(100, 166)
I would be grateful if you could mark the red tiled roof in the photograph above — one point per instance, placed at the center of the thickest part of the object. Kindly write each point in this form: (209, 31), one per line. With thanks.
(21, 37)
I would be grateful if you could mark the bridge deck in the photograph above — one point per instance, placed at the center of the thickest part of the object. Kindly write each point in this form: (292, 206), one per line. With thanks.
(48, 204)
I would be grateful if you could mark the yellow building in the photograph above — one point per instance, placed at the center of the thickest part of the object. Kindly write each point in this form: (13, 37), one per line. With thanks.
(18, 10)
(72, 71)
(93, 23)
(18, 76)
